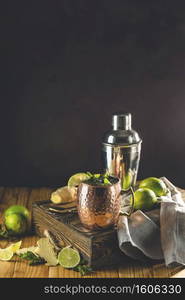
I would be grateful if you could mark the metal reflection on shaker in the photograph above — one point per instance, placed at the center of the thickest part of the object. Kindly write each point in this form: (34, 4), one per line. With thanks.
(121, 150)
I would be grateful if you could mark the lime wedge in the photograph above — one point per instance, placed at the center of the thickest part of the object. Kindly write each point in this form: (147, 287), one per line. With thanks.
(77, 178)
(68, 257)
(14, 247)
(6, 254)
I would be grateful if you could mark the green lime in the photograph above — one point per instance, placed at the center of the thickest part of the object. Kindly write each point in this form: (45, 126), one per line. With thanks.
(155, 184)
(6, 254)
(77, 178)
(68, 257)
(144, 198)
(16, 224)
(127, 180)
(17, 209)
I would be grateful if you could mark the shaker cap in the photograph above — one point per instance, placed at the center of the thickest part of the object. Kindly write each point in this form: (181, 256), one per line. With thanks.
(122, 121)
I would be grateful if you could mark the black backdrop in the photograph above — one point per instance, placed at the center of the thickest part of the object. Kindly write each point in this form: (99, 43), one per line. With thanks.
(66, 66)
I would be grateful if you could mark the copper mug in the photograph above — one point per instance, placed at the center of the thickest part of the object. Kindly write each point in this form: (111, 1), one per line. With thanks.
(100, 206)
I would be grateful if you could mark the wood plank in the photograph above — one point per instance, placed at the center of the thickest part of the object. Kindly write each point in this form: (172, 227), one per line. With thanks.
(161, 271)
(2, 189)
(135, 269)
(18, 268)
(104, 273)
(60, 272)
(22, 268)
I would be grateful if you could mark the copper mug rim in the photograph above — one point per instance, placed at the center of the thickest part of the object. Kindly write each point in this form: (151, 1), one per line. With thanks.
(102, 186)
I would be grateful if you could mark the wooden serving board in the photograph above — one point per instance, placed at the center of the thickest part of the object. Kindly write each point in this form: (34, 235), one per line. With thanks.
(98, 248)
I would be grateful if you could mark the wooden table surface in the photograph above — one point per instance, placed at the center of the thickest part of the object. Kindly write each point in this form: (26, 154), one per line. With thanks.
(17, 268)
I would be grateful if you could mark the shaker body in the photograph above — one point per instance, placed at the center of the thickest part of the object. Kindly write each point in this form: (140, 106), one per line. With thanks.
(122, 161)
(121, 149)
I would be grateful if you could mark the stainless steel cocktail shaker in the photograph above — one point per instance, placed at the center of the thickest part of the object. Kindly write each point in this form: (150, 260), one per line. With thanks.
(121, 150)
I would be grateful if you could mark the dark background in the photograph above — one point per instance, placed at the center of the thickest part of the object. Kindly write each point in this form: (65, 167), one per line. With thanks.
(66, 66)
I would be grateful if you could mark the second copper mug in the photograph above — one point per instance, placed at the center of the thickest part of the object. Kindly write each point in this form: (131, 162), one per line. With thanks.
(99, 206)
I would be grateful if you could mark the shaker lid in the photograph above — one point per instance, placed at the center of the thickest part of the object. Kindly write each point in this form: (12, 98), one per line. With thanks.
(122, 132)
(122, 121)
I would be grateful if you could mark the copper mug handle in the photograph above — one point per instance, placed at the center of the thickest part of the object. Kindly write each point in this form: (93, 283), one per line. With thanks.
(132, 203)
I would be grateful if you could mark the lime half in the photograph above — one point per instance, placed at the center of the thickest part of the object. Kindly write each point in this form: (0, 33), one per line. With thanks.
(77, 178)
(68, 257)
(6, 254)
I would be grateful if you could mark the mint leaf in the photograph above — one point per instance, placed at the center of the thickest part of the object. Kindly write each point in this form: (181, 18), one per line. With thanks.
(83, 268)
(32, 258)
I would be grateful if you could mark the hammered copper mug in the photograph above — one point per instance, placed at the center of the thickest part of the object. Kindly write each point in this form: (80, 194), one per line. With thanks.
(100, 206)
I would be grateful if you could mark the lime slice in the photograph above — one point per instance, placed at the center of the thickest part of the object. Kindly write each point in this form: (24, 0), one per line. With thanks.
(15, 246)
(77, 178)
(6, 254)
(68, 257)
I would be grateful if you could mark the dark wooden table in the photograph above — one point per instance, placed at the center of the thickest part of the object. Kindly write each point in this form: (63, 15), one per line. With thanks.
(19, 268)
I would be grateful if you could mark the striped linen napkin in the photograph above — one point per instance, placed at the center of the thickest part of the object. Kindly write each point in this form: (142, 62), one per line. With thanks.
(158, 234)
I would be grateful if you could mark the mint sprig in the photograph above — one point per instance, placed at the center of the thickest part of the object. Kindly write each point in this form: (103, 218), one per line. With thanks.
(83, 268)
(32, 258)
(98, 179)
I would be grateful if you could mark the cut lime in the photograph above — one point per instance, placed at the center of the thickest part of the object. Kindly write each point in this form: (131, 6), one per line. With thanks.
(77, 178)
(68, 257)
(15, 247)
(6, 254)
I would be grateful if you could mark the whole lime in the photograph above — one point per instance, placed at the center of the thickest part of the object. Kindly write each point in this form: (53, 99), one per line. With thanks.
(144, 199)
(17, 209)
(155, 184)
(16, 223)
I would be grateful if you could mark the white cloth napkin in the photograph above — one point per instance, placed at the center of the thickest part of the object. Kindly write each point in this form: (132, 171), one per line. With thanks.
(158, 234)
